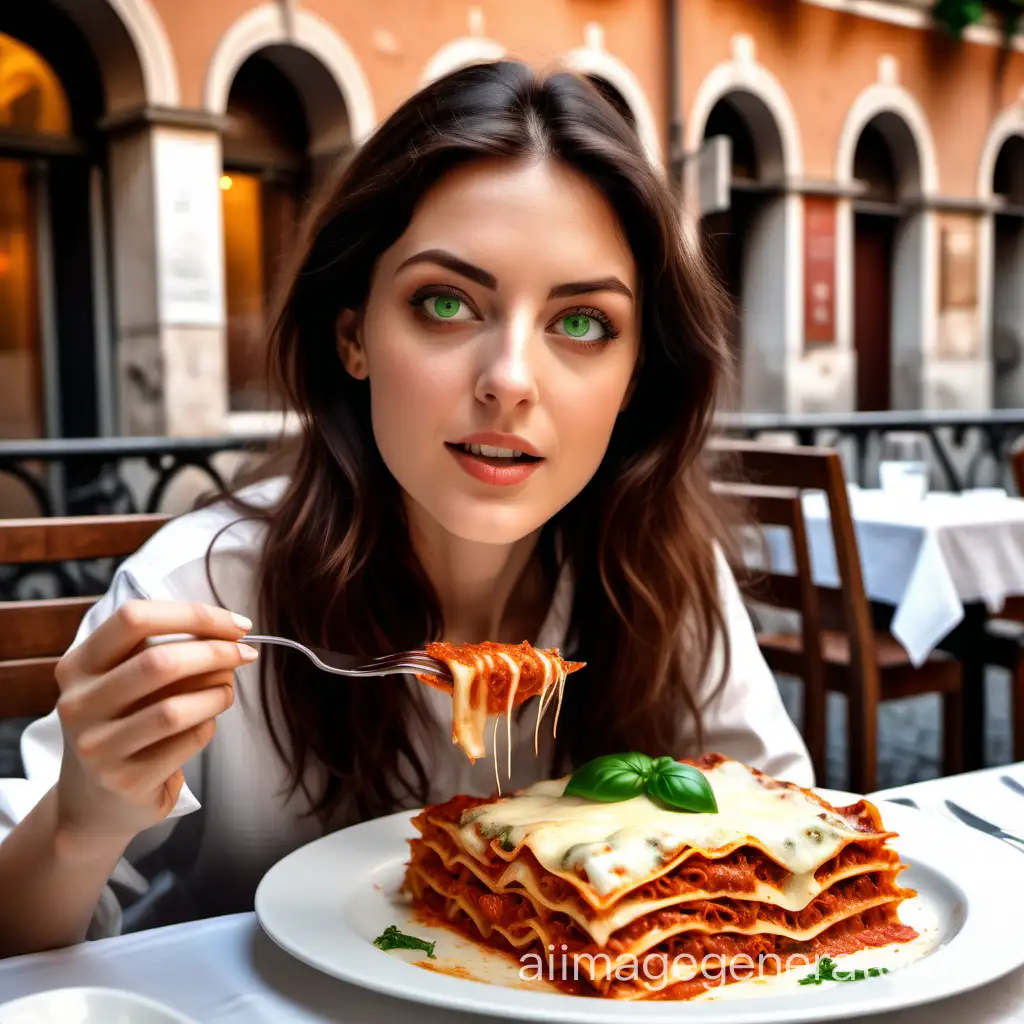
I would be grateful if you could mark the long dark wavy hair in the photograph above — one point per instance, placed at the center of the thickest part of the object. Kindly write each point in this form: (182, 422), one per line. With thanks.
(338, 568)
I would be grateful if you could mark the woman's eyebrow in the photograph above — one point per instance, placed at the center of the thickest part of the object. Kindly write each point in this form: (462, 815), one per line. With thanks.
(451, 262)
(445, 259)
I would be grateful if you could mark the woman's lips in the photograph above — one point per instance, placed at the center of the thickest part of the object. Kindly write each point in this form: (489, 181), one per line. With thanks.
(499, 472)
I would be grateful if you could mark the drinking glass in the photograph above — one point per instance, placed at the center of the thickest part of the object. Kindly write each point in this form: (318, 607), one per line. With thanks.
(903, 470)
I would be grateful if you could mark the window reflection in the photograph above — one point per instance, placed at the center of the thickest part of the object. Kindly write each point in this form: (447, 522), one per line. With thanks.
(32, 99)
(21, 413)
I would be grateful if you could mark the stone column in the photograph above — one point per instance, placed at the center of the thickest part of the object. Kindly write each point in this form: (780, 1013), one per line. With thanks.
(168, 279)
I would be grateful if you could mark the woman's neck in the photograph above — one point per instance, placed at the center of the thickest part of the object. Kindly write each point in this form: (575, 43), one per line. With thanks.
(487, 591)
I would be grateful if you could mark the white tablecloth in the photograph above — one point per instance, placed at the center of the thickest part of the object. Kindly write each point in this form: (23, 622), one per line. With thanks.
(226, 971)
(926, 558)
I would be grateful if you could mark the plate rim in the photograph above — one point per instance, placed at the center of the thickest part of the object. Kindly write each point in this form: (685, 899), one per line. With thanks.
(136, 998)
(465, 995)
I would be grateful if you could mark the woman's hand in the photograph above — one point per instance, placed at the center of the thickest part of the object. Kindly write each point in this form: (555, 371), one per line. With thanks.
(133, 714)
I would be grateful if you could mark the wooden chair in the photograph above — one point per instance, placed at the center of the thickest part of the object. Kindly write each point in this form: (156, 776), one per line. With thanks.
(782, 507)
(865, 665)
(1005, 648)
(34, 634)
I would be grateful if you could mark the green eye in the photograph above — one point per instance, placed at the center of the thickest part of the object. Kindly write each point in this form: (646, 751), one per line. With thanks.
(581, 327)
(576, 326)
(447, 306)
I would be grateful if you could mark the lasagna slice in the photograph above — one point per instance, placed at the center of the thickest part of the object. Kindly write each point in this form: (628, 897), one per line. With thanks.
(640, 901)
(492, 679)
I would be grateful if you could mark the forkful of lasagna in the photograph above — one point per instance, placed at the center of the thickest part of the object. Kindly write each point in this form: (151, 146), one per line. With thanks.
(491, 679)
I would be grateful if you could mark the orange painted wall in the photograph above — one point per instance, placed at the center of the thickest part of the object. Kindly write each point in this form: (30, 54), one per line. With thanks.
(822, 58)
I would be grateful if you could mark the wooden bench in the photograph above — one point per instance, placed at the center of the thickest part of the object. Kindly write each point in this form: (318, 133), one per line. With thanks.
(35, 634)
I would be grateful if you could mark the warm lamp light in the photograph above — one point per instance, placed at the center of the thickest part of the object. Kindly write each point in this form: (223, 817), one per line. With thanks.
(225, 182)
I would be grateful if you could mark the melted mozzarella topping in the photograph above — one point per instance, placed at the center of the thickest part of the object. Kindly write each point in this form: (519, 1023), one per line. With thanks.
(622, 844)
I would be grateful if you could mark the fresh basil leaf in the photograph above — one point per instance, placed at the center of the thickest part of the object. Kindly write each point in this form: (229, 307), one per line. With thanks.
(392, 938)
(681, 786)
(640, 762)
(610, 778)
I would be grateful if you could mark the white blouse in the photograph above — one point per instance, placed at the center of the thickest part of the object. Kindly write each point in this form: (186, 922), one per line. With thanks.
(233, 820)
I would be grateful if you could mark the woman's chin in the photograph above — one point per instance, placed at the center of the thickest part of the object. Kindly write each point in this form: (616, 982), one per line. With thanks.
(486, 524)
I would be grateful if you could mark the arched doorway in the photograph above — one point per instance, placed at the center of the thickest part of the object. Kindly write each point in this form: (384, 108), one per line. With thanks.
(886, 322)
(745, 244)
(1007, 341)
(51, 166)
(874, 230)
(286, 131)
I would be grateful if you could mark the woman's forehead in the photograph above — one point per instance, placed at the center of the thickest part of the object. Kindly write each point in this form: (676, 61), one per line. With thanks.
(499, 213)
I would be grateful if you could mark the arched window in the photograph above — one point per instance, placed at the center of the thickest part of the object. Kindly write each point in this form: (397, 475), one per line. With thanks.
(267, 176)
(33, 106)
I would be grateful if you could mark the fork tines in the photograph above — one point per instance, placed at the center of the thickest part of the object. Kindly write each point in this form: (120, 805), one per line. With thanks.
(413, 661)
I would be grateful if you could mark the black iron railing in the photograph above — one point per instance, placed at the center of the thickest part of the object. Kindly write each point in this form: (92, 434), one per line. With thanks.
(89, 476)
(96, 476)
(100, 476)
(969, 449)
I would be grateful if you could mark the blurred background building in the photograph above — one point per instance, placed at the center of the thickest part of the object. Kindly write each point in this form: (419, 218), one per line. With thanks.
(855, 173)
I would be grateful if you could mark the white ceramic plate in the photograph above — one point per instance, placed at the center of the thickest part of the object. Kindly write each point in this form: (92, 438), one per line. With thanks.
(88, 1006)
(326, 902)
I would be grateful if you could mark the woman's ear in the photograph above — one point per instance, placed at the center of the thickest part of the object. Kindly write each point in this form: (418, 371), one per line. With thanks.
(349, 340)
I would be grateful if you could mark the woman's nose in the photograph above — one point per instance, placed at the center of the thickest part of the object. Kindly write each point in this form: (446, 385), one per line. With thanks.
(507, 377)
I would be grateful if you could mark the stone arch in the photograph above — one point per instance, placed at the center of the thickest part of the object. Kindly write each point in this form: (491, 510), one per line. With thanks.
(460, 53)
(594, 60)
(763, 102)
(900, 118)
(268, 27)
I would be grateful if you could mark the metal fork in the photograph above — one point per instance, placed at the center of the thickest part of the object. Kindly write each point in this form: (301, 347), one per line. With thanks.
(353, 665)
(984, 826)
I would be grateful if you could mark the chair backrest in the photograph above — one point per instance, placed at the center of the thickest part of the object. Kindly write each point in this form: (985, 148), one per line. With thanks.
(34, 634)
(782, 507)
(818, 469)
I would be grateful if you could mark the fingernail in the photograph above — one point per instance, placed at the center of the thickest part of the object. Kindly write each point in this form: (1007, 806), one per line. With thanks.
(241, 622)
(248, 653)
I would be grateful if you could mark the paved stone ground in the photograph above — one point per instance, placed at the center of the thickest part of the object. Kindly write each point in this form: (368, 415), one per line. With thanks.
(909, 733)
(909, 740)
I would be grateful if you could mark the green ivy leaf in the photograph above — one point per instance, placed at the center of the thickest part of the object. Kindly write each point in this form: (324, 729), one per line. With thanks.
(610, 778)
(681, 786)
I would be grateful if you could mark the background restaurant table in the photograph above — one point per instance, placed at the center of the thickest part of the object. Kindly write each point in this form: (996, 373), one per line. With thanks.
(226, 971)
(944, 564)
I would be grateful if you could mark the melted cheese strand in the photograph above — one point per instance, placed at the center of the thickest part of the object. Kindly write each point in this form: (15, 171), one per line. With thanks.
(494, 754)
(513, 687)
(560, 685)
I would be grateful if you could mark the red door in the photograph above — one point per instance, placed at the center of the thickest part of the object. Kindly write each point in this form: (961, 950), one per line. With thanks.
(872, 309)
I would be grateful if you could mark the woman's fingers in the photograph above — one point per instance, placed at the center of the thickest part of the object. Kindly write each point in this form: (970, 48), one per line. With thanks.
(135, 621)
(108, 743)
(146, 673)
(156, 766)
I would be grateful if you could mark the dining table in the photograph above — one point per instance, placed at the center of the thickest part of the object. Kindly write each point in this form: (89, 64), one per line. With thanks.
(942, 565)
(226, 970)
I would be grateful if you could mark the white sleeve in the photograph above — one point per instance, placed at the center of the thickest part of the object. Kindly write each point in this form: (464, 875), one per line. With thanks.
(42, 747)
(746, 719)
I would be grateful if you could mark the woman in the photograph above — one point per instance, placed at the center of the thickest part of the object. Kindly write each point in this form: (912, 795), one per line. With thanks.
(505, 364)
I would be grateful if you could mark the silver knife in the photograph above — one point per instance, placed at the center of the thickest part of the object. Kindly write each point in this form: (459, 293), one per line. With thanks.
(984, 826)
(1012, 783)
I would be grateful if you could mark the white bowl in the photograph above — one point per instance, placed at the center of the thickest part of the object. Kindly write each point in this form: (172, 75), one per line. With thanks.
(88, 1006)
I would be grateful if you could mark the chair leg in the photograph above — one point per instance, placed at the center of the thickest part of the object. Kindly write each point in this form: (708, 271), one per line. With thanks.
(953, 733)
(1017, 708)
(862, 741)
